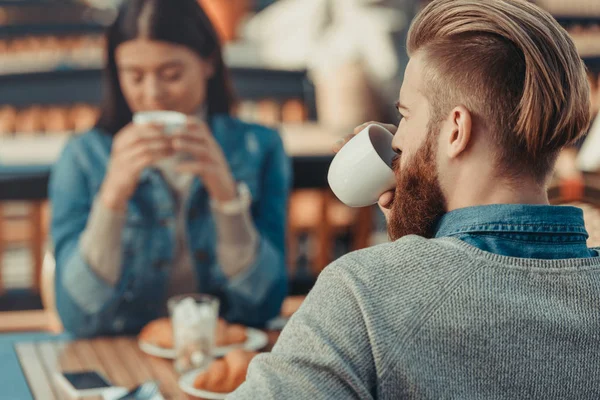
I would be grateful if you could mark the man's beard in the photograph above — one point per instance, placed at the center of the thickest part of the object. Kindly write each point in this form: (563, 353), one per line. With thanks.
(418, 201)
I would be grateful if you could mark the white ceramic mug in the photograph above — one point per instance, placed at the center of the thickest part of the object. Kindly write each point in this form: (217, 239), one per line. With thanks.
(172, 121)
(362, 170)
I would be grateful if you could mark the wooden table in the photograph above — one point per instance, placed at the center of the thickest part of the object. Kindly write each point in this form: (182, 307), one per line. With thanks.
(119, 359)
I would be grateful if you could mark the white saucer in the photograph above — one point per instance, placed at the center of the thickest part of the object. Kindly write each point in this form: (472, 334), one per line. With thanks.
(186, 383)
(256, 341)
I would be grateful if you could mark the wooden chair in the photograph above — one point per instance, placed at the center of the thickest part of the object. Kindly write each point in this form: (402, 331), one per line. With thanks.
(53, 323)
(23, 321)
(30, 229)
(320, 214)
(35, 320)
(315, 212)
(584, 193)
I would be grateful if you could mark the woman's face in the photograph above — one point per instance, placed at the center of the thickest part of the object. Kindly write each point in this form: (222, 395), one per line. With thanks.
(157, 75)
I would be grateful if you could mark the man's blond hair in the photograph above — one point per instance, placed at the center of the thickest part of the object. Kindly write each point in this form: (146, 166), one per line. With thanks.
(514, 67)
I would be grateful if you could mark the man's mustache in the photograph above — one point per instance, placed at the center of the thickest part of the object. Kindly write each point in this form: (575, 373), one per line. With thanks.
(396, 163)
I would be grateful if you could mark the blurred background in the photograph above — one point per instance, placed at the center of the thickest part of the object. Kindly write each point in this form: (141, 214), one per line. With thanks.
(312, 68)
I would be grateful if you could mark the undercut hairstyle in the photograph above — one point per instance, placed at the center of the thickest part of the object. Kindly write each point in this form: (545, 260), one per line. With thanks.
(517, 71)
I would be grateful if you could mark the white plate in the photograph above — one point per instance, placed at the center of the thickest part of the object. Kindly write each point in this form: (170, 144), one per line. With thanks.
(186, 383)
(156, 351)
(256, 340)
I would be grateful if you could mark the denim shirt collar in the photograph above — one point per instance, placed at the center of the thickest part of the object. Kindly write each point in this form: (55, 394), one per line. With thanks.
(513, 218)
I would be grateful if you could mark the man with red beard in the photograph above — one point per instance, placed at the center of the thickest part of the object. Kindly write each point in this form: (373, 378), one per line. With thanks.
(487, 291)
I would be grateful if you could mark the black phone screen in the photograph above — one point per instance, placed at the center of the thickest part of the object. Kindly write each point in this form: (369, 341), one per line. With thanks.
(86, 380)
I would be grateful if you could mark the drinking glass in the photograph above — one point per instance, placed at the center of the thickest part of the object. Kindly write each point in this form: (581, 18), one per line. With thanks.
(194, 319)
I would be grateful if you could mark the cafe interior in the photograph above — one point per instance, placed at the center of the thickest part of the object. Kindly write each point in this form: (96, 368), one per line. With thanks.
(52, 61)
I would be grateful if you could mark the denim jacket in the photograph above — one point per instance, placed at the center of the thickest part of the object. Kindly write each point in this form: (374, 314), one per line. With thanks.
(518, 230)
(89, 306)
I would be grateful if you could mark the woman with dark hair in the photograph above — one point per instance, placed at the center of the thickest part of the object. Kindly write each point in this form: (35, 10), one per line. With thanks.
(131, 225)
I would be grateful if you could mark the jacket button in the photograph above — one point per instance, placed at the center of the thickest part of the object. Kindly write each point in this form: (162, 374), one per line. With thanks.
(118, 324)
(128, 296)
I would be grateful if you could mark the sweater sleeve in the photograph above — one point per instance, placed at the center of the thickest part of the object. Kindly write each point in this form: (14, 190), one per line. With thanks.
(323, 353)
(101, 239)
(238, 241)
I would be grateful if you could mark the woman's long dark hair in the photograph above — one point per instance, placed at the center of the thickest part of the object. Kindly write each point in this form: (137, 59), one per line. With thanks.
(181, 22)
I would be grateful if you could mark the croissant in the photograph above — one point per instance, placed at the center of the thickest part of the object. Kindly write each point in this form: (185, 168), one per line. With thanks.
(158, 332)
(227, 374)
(228, 334)
(213, 379)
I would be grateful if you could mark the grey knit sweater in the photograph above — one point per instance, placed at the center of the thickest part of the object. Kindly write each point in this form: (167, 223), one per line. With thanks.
(439, 319)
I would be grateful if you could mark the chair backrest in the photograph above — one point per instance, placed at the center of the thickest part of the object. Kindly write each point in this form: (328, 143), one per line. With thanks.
(585, 189)
(585, 194)
(36, 320)
(48, 292)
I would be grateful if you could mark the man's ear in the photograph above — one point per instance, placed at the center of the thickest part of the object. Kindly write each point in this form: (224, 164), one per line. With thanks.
(461, 124)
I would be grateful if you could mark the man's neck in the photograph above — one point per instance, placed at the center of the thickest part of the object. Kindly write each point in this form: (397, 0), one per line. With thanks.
(498, 192)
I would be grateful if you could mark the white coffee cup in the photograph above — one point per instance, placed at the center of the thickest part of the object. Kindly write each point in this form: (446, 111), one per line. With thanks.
(172, 121)
(362, 170)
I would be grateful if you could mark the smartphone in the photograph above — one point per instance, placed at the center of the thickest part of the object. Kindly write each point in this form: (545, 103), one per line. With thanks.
(83, 384)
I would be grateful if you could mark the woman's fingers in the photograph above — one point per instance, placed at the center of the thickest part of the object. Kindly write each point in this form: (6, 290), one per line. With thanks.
(181, 140)
(198, 149)
(144, 154)
(133, 135)
(197, 168)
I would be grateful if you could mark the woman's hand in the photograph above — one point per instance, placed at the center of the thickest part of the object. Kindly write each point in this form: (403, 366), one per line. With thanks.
(207, 160)
(135, 148)
(386, 199)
